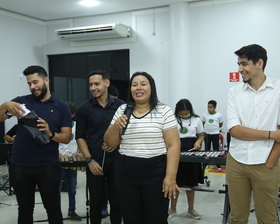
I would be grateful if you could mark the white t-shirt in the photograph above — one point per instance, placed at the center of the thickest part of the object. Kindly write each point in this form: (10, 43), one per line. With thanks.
(212, 123)
(191, 127)
(69, 149)
(254, 109)
(144, 135)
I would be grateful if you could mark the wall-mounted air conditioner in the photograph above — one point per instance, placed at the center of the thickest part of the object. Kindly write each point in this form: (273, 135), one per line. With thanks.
(113, 30)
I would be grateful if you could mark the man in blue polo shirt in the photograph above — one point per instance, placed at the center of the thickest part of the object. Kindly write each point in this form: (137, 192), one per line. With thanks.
(93, 119)
(32, 163)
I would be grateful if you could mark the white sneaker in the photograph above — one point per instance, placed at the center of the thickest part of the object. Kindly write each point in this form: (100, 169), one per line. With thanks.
(193, 214)
(171, 213)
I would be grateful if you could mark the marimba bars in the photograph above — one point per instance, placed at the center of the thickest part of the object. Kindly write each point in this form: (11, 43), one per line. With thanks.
(214, 157)
(73, 162)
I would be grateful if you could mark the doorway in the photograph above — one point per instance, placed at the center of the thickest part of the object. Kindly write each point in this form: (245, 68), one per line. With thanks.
(68, 73)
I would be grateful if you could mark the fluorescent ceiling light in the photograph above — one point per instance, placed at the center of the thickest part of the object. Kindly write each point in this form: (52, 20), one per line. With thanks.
(89, 3)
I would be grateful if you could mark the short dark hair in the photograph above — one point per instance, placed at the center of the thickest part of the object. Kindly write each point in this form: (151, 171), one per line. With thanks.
(113, 91)
(72, 107)
(153, 99)
(35, 69)
(213, 102)
(101, 72)
(253, 52)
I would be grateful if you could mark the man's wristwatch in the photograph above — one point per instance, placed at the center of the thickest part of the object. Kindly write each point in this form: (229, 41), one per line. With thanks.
(88, 160)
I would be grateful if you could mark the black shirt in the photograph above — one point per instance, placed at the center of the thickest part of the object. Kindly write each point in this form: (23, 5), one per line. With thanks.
(92, 123)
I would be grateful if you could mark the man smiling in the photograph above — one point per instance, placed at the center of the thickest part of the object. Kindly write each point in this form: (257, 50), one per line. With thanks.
(93, 119)
(253, 114)
(31, 163)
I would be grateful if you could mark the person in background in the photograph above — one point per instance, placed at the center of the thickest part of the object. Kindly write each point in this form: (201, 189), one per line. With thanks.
(70, 175)
(212, 122)
(253, 113)
(113, 91)
(150, 151)
(31, 163)
(93, 119)
(11, 134)
(191, 133)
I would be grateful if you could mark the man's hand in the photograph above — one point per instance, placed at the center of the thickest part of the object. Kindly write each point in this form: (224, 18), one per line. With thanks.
(14, 108)
(95, 168)
(43, 126)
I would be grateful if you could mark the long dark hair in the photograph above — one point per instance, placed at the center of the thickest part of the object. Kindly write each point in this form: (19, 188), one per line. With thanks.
(153, 98)
(183, 104)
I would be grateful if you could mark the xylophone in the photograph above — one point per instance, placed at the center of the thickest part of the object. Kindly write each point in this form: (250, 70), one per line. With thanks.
(73, 162)
(209, 157)
(213, 157)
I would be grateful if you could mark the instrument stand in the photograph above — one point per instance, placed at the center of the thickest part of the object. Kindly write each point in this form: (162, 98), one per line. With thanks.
(226, 212)
(87, 203)
(6, 187)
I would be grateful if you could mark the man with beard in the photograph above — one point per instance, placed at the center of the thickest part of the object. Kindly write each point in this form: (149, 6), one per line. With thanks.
(93, 118)
(31, 163)
(253, 114)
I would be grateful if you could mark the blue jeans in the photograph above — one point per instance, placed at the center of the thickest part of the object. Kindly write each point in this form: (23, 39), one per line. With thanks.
(71, 180)
(24, 180)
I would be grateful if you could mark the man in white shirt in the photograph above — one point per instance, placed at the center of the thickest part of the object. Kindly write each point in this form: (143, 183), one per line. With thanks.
(253, 118)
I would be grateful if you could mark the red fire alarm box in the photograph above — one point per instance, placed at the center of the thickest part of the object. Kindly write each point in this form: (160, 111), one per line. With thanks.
(234, 76)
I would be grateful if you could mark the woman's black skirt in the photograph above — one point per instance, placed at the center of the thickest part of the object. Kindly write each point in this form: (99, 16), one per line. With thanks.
(189, 174)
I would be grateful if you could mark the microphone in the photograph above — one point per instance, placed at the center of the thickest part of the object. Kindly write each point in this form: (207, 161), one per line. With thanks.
(128, 112)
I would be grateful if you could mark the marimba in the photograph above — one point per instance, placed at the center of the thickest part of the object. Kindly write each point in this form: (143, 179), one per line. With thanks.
(73, 162)
(213, 157)
(209, 157)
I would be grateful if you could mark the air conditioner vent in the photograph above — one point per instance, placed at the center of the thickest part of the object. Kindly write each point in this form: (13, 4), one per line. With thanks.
(115, 30)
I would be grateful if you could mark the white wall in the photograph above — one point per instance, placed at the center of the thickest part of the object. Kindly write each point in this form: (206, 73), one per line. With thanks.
(216, 31)
(148, 51)
(22, 44)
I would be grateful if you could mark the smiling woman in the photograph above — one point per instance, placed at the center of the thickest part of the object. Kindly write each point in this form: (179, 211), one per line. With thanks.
(146, 168)
(89, 2)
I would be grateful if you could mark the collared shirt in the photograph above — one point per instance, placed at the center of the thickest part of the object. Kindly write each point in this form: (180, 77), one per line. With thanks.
(92, 123)
(257, 110)
(26, 151)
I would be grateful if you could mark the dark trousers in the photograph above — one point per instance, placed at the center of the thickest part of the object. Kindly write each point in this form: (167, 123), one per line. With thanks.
(71, 180)
(96, 188)
(24, 180)
(139, 185)
(214, 139)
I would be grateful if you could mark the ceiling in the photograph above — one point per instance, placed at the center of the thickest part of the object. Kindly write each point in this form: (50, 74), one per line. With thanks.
(62, 9)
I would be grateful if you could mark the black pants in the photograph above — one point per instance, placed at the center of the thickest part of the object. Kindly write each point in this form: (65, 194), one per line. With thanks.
(139, 185)
(24, 180)
(96, 194)
(214, 139)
